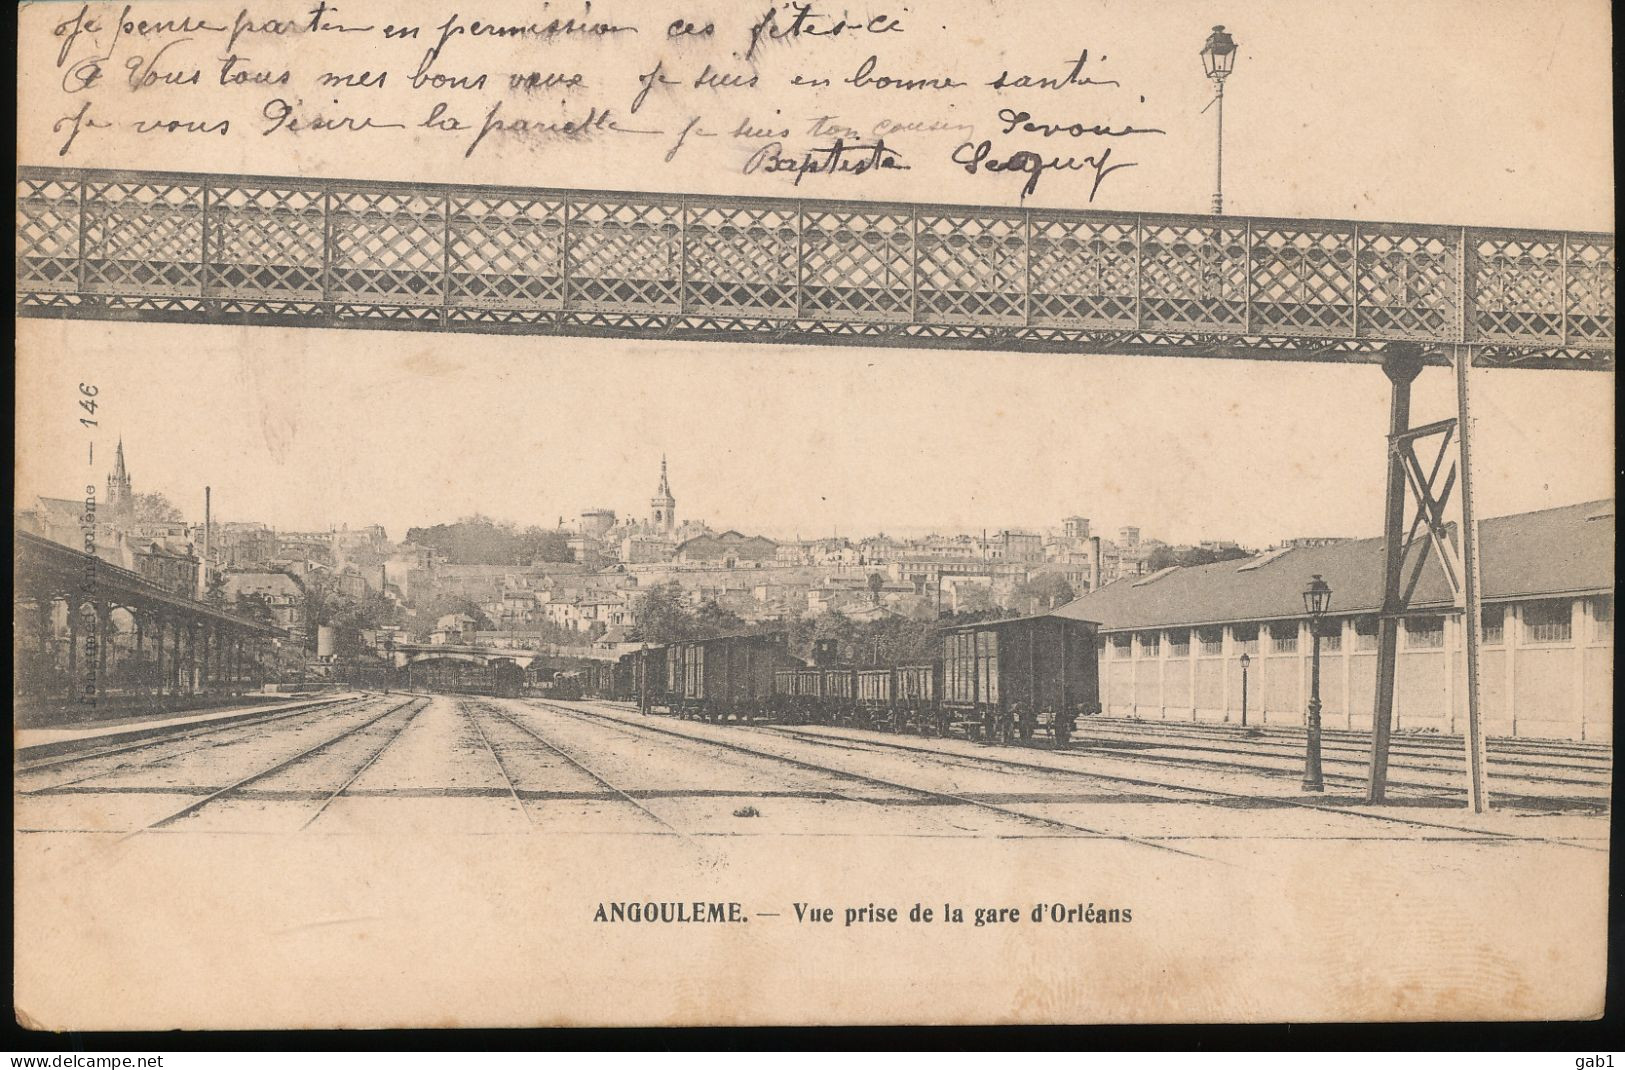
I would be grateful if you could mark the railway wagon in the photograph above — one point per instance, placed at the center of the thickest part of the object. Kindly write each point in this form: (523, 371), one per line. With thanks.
(914, 697)
(598, 680)
(501, 677)
(877, 689)
(796, 695)
(876, 701)
(900, 698)
(1008, 679)
(642, 676)
(840, 696)
(728, 677)
(816, 696)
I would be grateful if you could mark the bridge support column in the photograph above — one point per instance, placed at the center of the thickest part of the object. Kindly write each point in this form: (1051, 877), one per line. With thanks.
(104, 640)
(177, 662)
(1402, 363)
(139, 626)
(45, 620)
(1470, 595)
(73, 649)
(219, 671)
(194, 664)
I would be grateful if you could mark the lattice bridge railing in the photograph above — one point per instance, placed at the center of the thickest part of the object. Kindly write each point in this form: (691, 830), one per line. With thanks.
(294, 252)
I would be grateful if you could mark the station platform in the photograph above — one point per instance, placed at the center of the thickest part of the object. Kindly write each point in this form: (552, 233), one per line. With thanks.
(45, 742)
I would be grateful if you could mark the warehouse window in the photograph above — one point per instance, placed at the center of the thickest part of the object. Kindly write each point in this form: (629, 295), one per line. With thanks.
(1150, 644)
(1492, 622)
(1212, 640)
(1547, 622)
(1422, 633)
(1365, 633)
(1331, 636)
(1602, 617)
(1121, 644)
(1284, 636)
(1246, 638)
(1179, 643)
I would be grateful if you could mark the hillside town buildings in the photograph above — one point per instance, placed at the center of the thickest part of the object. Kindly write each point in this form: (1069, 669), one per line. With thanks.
(1172, 635)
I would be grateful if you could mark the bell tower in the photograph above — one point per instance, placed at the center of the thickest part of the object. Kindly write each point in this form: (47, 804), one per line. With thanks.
(663, 507)
(120, 502)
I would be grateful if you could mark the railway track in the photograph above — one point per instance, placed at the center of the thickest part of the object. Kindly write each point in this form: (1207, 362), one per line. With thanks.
(411, 707)
(507, 777)
(1281, 757)
(415, 706)
(1214, 796)
(846, 774)
(1287, 765)
(575, 762)
(1444, 749)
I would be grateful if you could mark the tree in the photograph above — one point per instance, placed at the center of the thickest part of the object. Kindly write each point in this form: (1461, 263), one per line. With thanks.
(255, 606)
(711, 618)
(154, 508)
(877, 583)
(215, 594)
(479, 540)
(1167, 557)
(973, 597)
(428, 616)
(537, 546)
(1047, 590)
(662, 616)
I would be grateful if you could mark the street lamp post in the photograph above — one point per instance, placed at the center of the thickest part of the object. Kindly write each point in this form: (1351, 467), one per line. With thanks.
(1245, 661)
(1317, 598)
(1219, 59)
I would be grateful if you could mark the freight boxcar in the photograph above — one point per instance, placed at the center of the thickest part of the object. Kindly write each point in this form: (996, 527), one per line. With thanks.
(1008, 679)
(728, 677)
(643, 676)
(599, 680)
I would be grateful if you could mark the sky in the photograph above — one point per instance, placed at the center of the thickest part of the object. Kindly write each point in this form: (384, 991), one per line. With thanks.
(306, 429)
(1487, 113)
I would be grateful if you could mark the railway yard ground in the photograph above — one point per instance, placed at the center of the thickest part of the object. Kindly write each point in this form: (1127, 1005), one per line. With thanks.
(417, 827)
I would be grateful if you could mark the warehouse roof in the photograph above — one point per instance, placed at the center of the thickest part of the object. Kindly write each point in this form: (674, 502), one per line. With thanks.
(1563, 551)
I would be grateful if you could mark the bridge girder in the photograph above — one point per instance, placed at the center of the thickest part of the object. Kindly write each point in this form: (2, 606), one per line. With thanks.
(234, 249)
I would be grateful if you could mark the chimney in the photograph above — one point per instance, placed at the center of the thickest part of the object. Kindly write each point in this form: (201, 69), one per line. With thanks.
(1094, 547)
(203, 566)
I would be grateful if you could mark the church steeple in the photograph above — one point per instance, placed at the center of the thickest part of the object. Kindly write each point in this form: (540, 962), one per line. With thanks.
(120, 501)
(663, 507)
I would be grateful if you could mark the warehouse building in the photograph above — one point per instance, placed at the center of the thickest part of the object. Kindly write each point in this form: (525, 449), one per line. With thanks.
(1172, 642)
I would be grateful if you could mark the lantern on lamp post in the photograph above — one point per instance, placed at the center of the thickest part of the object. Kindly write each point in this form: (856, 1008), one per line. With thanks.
(1218, 60)
(1245, 661)
(1317, 599)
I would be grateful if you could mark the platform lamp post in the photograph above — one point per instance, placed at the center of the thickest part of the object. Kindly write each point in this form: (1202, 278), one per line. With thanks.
(1317, 599)
(1219, 59)
(1245, 661)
